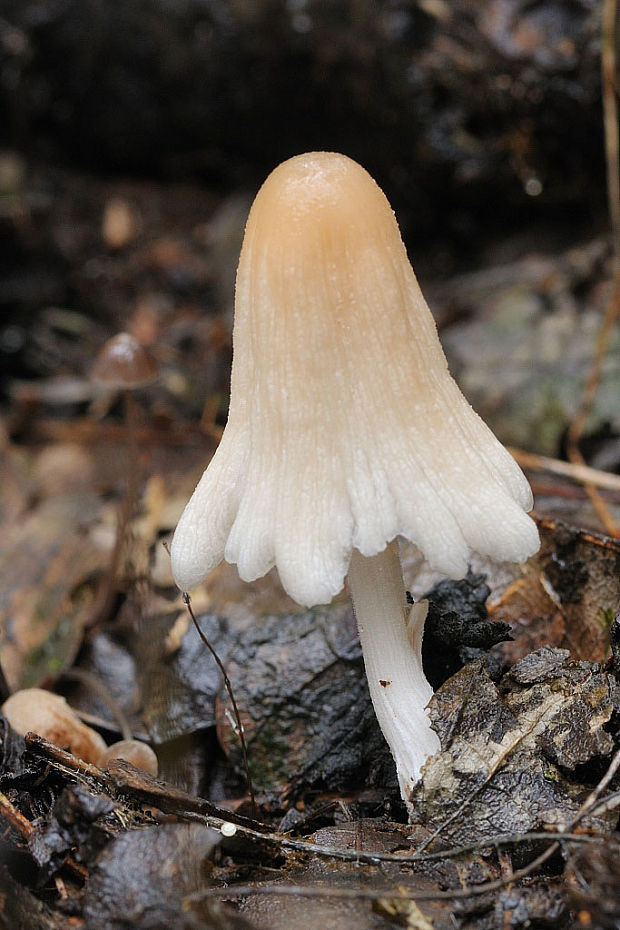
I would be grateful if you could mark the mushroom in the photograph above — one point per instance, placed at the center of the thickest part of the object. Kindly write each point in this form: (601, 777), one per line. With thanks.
(124, 365)
(130, 750)
(345, 431)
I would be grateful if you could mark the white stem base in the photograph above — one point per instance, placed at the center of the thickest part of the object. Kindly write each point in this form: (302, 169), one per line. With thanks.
(393, 660)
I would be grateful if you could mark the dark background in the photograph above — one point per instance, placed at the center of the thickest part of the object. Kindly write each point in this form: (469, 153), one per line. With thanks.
(476, 117)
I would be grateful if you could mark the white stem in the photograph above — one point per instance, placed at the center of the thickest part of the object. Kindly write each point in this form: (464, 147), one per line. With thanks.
(393, 660)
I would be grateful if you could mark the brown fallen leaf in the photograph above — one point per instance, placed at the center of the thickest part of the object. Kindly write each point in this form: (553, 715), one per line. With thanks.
(566, 596)
(46, 561)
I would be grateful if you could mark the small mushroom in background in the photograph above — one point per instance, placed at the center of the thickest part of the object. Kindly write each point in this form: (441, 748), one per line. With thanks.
(123, 365)
(131, 750)
(120, 223)
(34, 710)
(346, 430)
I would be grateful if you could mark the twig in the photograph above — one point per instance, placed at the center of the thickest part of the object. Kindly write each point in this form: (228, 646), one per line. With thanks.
(503, 839)
(567, 491)
(244, 752)
(15, 817)
(344, 894)
(121, 779)
(583, 474)
(84, 430)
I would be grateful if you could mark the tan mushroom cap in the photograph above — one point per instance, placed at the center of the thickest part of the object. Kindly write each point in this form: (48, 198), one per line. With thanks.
(345, 428)
(131, 750)
(124, 363)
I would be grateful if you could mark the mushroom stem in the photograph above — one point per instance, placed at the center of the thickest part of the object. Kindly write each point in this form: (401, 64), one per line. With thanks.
(393, 660)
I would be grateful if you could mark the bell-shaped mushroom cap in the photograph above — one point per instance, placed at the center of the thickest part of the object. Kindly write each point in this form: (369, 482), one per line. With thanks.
(345, 428)
(124, 364)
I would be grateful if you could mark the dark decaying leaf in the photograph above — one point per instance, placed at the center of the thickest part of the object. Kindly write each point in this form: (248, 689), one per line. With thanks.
(508, 749)
(458, 628)
(178, 681)
(46, 561)
(21, 910)
(179, 687)
(300, 685)
(567, 595)
(143, 877)
(542, 905)
(106, 659)
(76, 826)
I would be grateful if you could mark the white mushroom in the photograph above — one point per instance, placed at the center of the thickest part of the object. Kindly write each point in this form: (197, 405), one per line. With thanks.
(345, 430)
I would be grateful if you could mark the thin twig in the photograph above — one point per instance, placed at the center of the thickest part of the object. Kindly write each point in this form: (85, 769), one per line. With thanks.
(15, 817)
(244, 752)
(503, 839)
(583, 474)
(121, 779)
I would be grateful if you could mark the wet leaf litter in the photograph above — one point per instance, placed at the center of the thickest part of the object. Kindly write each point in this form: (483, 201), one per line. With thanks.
(521, 753)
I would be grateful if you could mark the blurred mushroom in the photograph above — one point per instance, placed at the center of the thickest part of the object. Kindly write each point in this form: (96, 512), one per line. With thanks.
(131, 750)
(123, 365)
(120, 223)
(34, 710)
(346, 430)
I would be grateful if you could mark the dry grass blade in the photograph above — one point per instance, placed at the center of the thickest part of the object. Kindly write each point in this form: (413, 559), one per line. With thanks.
(583, 474)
